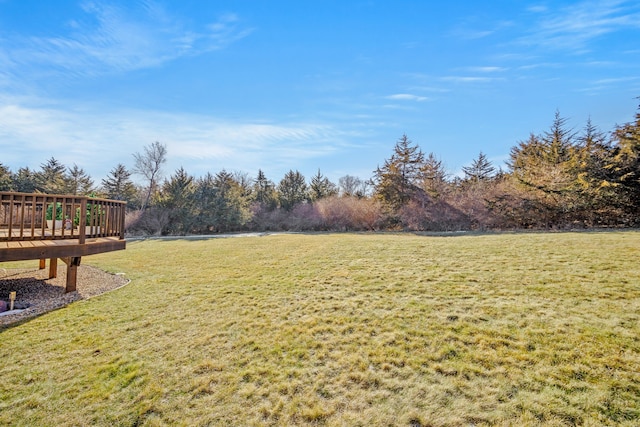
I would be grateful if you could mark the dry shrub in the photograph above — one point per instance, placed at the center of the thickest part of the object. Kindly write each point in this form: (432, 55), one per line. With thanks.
(350, 213)
(264, 219)
(437, 215)
(305, 216)
(151, 221)
(330, 214)
(131, 220)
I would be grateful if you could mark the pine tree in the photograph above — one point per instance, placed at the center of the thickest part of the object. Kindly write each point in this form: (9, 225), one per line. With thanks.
(177, 196)
(222, 202)
(245, 184)
(625, 166)
(397, 181)
(6, 181)
(51, 177)
(119, 186)
(547, 163)
(559, 141)
(232, 202)
(321, 187)
(206, 197)
(480, 170)
(547, 166)
(433, 177)
(292, 190)
(597, 197)
(177, 191)
(77, 182)
(24, 181)
(264, 192)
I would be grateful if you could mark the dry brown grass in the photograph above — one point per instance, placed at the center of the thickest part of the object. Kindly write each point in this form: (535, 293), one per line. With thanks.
(342, 329)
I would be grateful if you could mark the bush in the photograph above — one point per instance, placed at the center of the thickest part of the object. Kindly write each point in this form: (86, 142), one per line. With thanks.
(152, 221)
(350, 213)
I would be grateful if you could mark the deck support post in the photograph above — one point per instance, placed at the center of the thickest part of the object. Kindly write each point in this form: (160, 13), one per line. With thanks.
(43, 263)
(53, 268)
(72, 272)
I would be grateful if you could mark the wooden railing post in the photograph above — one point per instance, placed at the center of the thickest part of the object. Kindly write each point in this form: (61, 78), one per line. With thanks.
(81, 221)
(122, 209)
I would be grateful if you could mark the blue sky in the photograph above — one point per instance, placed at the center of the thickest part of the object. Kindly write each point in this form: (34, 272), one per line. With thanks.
(305, 85)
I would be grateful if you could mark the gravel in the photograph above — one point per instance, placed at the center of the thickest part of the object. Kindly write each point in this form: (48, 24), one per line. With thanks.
(37, 294)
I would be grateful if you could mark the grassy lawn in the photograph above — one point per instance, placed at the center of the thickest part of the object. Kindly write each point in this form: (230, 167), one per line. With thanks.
(342, 330)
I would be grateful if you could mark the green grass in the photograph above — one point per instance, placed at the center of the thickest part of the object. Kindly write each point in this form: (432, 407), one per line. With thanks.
(342, 330)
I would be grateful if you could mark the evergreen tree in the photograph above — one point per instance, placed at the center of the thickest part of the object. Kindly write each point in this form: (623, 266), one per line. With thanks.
(396, 182)
(292, 190)
(6, 180)
(206, 203)
(232, 202)
(321, 187)
(77, 182)
(597, 196)
(481, 170)
(245, 186)
(119, 186)
(177, 196)
(24, 181)
(433, 177)
(625, 167)
(177, 191)
(559, 142)
(548, 167)
(222, 203)
(51, 177)
(547, 163)
(264, 192)
(594, 153)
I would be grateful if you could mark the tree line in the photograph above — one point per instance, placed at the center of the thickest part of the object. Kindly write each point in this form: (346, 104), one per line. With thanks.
(559, 178)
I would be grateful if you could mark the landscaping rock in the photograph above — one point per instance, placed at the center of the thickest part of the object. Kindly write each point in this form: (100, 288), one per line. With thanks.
(36, 294)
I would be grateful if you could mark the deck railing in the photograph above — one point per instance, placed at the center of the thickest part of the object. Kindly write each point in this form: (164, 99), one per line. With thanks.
(25, 216)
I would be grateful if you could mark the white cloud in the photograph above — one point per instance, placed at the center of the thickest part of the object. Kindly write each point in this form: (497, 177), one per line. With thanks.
(534, 66)
(537, 8)
(97, 140)
(473, 34)
(617, 80)
(467, 79)
(114, 39)
(406, 97)
(574, 26)
(486, 69)
(606, 85)
(465, 29)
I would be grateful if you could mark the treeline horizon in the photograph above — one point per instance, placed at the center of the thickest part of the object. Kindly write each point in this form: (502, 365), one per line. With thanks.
(558, 179)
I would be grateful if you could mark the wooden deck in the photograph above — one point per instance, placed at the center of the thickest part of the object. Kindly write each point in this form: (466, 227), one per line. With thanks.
(86, 226)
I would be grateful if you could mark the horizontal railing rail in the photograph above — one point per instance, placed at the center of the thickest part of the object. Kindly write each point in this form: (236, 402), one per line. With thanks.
(26, 216)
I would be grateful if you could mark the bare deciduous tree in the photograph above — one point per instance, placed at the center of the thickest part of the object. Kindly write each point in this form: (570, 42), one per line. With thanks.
(149, 165)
